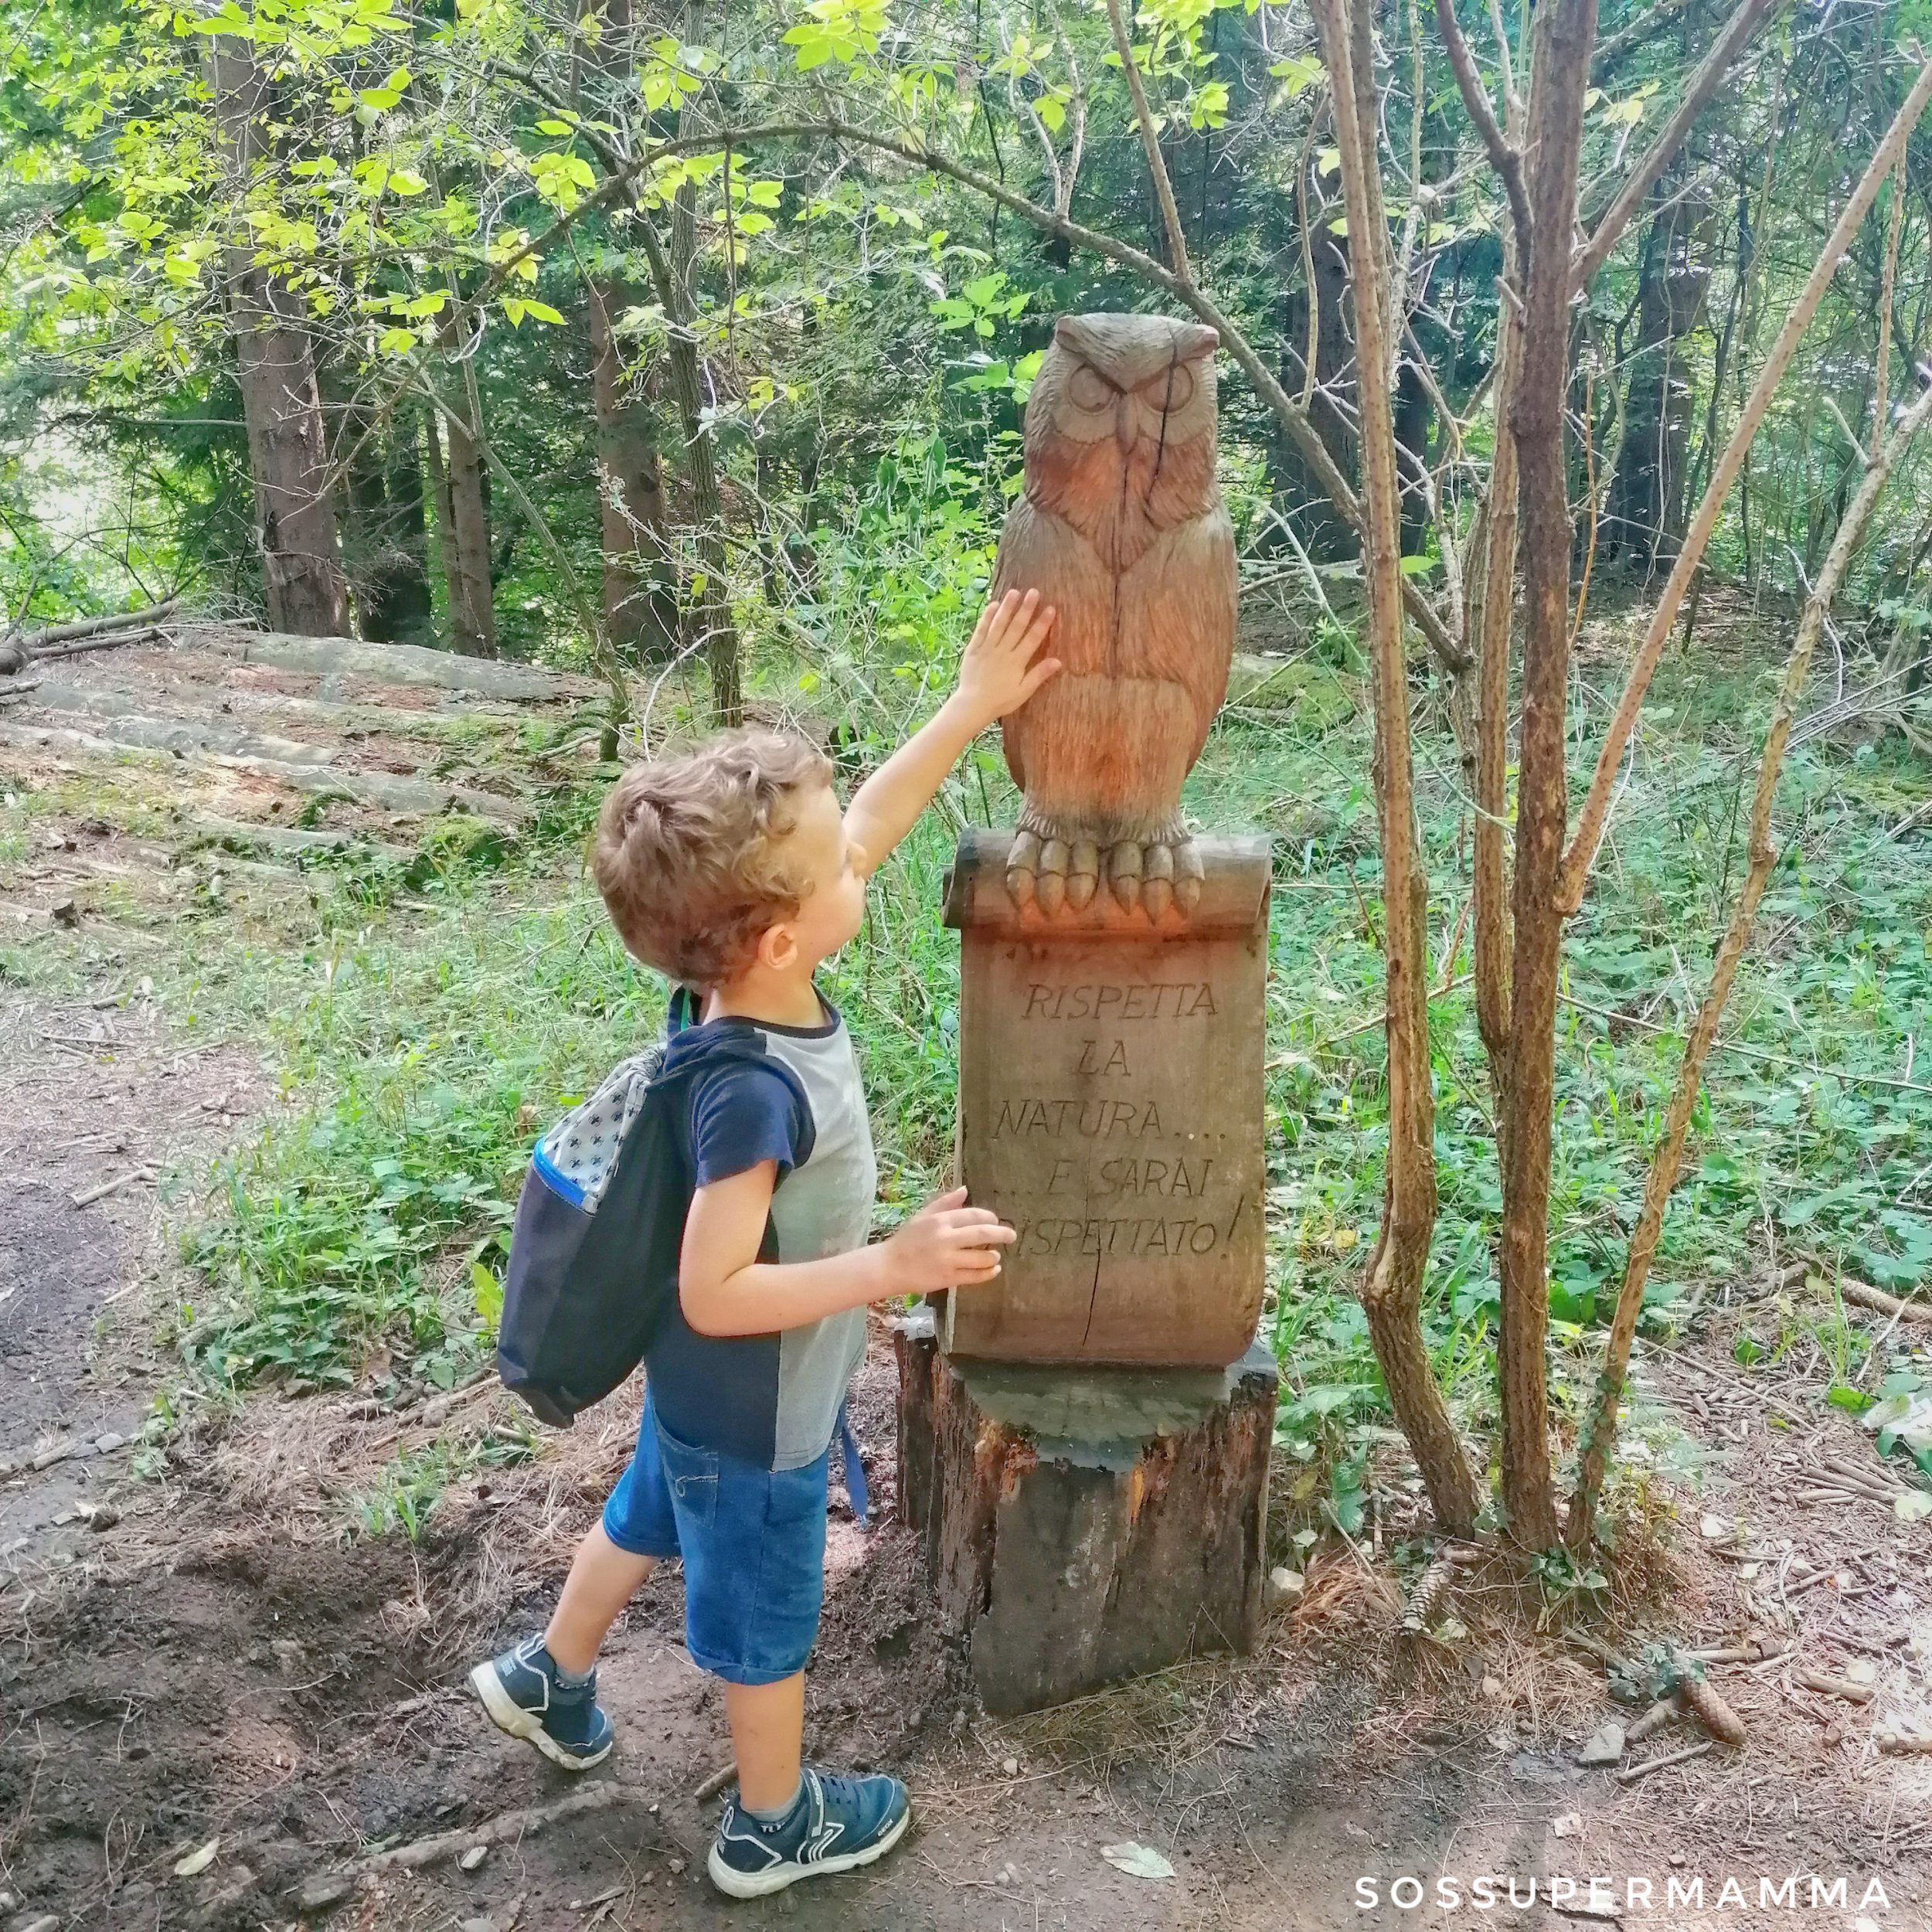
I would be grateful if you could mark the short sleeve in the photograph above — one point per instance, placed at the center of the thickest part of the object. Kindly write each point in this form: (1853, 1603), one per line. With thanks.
(740, 1116)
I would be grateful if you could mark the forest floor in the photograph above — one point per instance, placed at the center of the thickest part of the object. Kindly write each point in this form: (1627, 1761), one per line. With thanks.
(242, 1623)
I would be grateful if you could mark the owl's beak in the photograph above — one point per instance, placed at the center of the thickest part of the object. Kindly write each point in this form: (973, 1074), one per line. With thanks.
(1124, 423)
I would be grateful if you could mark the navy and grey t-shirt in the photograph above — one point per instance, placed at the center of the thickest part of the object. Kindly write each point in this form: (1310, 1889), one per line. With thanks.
(773, 1400)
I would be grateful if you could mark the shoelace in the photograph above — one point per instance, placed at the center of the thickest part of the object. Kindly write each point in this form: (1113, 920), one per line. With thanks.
(838, 1789)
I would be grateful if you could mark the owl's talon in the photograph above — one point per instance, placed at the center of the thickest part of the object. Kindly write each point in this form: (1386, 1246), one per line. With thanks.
(1083, 872)
(1157, 881)
(1187, 876)
(1050, 888)
(1123, 874)
(1022, 862)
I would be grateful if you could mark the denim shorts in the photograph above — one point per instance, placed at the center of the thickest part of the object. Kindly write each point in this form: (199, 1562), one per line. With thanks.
(754, 1545)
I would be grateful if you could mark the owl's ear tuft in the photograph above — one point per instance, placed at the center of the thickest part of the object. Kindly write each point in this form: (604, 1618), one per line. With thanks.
(1196, 341)
(1067, 330)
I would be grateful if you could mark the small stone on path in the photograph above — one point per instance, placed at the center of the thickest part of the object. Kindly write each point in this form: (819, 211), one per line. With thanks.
(1606, 1747)
(474, 1857)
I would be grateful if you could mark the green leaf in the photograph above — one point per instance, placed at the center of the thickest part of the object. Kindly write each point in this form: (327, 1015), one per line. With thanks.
(487, 1293)
(1853, 1401)
(553, 127)
(542, 310)
(406, 180)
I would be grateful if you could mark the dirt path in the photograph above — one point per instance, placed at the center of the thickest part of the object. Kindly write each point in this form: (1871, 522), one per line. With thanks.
(203, 1642)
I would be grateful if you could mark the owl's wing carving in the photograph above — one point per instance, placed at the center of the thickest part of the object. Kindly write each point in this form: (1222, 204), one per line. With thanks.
(1039, 552)
(1177, 615)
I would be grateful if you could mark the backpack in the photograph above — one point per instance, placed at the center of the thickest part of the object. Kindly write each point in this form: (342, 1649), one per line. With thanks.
(599, 1222)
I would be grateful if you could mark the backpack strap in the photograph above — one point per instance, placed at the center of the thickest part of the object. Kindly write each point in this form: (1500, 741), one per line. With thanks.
(857, 1492)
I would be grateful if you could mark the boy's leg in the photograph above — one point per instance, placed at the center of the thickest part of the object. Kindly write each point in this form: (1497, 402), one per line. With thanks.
(602, 1578)
(767, 1734)
(754, 1547)
(545, 1689)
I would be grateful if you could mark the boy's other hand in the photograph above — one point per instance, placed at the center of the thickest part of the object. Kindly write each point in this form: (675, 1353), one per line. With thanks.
(947, 1245)
(1002, 666)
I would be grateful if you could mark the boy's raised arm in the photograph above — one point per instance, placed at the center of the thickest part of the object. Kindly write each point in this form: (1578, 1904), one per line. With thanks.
(1000, 669)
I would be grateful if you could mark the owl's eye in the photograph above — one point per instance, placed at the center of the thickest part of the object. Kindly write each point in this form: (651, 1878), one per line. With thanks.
(1090, 390)
(1173, 389)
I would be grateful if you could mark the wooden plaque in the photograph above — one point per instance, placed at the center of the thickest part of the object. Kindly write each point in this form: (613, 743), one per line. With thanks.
(1110, 1109)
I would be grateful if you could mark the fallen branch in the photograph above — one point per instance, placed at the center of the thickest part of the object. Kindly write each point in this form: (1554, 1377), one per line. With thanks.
(114, 641)
(1836, 1686)
(1660, 1713)
(715, 1782)
(505, 1827)
(1901, 1743)
(40, 643)
(1865, 1296)
(1631, 1774)
(87, 1196)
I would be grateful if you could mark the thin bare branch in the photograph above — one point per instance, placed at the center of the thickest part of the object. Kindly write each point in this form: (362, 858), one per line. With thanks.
(1590, 823)
(1504, 158)
(1667, 1162)
(1391, 1288)
(1703, 83)
(1150, 140)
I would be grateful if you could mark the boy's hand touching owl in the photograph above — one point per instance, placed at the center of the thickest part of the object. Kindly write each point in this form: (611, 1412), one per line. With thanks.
(1002, 666)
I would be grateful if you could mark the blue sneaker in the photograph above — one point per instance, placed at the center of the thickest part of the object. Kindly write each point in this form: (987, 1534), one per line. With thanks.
(521, 1694)
(834, 1825)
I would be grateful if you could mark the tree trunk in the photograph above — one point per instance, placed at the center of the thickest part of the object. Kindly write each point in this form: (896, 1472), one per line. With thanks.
(467, 560)
(639, 608)
(1392, 1290)
(1565, 31)
(1315, 335)
(287, 454)
(1644, 526)
(408, 581)
(383, 549)
(441, 513)
(711, 605)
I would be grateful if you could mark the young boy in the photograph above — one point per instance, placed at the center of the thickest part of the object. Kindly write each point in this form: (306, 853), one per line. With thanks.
(734, 871)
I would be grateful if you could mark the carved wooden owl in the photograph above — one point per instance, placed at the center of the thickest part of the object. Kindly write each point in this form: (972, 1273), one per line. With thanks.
(1122, 529)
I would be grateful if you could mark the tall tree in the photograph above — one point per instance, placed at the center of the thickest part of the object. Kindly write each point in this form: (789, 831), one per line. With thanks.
(462, 485)
(294, 510)
(1645, 522)
(640, 603)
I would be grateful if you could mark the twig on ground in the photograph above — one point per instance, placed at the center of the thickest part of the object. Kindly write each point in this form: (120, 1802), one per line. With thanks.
(1900, 1744)
(1632, 1772)
(87, 1196)
(505, 1826)
(1836, 1686)
(1654, 1719)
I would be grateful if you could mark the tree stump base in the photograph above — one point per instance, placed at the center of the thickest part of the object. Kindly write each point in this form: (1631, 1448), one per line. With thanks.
(1085, 1525)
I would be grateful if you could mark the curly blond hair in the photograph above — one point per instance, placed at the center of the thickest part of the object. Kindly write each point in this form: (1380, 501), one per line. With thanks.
(689, 853)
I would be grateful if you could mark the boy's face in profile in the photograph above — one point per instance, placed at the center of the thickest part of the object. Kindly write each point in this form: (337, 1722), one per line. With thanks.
(834, 907)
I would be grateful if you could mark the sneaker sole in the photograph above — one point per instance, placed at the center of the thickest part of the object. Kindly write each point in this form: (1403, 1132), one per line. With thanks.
(758, 1884)
(507, 1715)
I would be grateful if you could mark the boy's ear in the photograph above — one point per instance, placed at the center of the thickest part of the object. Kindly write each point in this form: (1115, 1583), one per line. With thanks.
(778, 947)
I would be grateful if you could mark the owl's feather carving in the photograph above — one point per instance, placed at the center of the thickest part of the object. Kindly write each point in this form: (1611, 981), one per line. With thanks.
(1122, 528)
